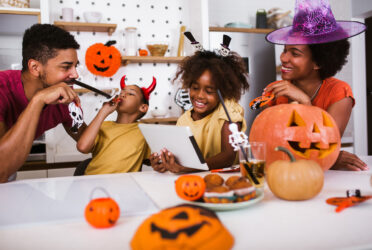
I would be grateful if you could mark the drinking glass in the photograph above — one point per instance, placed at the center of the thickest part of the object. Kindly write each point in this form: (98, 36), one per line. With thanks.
(252, 163)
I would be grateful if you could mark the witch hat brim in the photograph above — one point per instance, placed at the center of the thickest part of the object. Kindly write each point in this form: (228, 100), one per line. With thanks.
(287, 36)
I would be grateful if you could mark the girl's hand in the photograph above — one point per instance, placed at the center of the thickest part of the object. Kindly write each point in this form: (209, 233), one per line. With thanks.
(156, 163)
(170, 163)
(286, 88)
(349, 161)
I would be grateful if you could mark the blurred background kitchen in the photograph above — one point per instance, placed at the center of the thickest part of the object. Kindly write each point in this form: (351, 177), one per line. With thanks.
(136, 24)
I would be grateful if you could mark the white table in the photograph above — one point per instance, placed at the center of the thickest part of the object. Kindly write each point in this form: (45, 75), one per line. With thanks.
(269, 224)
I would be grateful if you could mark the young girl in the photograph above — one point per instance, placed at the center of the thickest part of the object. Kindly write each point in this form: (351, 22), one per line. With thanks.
(204, 73)
(309, 63)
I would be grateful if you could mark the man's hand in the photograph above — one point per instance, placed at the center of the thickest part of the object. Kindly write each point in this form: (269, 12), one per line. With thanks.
(349, 161)
(59, 93)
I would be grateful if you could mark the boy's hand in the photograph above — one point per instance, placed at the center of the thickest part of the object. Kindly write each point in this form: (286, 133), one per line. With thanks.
(109, 107)
(170, 163)
(156, 163)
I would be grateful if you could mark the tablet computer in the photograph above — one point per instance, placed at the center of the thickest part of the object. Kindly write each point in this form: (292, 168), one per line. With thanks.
(178, 140)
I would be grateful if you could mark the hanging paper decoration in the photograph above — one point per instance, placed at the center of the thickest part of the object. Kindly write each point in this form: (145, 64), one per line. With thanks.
(103, 59)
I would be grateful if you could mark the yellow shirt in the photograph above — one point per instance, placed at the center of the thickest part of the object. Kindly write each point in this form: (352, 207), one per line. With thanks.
(207, 131)
(118, 148)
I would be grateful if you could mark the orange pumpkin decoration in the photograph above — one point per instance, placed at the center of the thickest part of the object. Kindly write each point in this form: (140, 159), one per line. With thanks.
(294, 180)
(190, 187)
(143, 52)
(102, 212)
(182, 227)
(103, 59)
(309, 132)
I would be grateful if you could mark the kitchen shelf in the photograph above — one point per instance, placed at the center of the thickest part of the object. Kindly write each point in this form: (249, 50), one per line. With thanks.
(168, 120)
(14, 21)
(94, 27)
(20, 11)
(151, 59)
(83, 90)
(244, 30)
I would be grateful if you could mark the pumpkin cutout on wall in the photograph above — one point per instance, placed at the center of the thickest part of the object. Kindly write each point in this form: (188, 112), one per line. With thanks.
(309, 132)
(182, 227)
(102, 212)
(190, 187)
(103, 59)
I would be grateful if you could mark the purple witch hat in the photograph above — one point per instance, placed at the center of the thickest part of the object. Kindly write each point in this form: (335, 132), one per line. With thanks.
(314, 23)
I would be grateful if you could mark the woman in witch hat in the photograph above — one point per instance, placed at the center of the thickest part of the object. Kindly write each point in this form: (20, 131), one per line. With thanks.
(316, 48)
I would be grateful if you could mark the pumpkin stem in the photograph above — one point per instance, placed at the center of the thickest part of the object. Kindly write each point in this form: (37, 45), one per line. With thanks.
(285, 150)
(109, 43)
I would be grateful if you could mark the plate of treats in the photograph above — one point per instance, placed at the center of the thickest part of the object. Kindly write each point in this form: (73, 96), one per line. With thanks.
(234, 193)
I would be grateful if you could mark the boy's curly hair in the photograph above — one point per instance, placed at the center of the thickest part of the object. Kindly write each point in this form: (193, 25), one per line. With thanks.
(228, 73)
(41, 42)
(330, 57)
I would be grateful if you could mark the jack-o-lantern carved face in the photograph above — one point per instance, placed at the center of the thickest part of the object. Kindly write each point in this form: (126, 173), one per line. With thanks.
(190, 187)
(102, 212)
(182, 227)
(308, 131)
(103, 59)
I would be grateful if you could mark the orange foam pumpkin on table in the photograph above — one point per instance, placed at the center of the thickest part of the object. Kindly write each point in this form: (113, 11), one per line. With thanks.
(102, 212)
(309, 132)
(182, 227)
(103, 59)
(190, 187)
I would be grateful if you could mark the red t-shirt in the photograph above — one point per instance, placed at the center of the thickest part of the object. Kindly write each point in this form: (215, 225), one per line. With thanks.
(13, 101)
(331, 91)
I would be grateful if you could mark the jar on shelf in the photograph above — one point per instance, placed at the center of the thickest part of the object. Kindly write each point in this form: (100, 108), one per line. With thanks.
(130, 41)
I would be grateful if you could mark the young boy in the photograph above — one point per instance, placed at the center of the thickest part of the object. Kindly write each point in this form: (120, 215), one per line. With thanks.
(118, 147)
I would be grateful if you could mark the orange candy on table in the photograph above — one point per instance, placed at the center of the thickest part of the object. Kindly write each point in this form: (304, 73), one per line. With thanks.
(190, 187)
(102, 212)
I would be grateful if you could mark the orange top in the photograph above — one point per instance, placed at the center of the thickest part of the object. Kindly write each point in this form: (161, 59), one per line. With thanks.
(331, 91)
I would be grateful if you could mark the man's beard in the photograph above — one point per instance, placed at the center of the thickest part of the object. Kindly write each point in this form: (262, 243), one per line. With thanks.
(42, 78)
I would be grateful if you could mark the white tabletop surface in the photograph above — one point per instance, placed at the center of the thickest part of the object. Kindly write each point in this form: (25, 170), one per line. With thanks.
(269, 224)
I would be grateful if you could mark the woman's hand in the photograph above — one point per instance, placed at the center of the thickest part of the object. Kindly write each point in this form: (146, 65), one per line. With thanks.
(286, 88)
(156, 163)
(349, 161)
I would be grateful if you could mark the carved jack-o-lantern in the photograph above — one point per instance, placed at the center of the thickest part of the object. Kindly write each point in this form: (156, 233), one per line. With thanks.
(190, 187)
(308, 132)
(182, 227)
(103, 59)
(102, 212)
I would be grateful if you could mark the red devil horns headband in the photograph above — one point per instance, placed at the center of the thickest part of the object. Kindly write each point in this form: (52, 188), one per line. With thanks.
(146, 91)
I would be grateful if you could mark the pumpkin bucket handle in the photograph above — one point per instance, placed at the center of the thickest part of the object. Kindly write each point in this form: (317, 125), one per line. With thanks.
(99, 188)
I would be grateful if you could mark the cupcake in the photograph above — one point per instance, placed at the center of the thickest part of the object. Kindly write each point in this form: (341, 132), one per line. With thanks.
(243, 190)
(219, 194)
(213, 180)
(232, 179)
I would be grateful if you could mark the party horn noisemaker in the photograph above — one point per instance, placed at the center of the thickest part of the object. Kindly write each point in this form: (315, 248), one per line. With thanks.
(91, 88)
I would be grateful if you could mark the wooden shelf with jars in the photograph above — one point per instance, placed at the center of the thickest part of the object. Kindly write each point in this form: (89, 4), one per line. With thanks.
(244, 30)
(92, 27)
(151, 59)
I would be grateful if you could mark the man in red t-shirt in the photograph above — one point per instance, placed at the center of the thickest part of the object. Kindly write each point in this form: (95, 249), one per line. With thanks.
(35, 99)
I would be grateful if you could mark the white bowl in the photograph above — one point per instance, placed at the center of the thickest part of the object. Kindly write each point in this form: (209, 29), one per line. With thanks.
(92, 16)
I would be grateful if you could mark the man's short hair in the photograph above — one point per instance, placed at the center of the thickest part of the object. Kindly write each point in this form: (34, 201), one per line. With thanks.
(42, 41)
